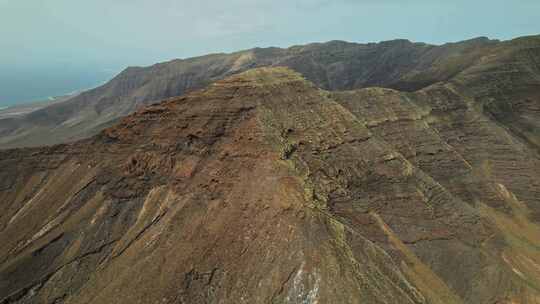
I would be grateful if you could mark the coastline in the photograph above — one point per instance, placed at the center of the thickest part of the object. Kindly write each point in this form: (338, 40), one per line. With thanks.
(25, 108)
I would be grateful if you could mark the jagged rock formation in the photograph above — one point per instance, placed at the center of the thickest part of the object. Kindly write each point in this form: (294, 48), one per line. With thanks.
(264, 188)
(503, 75)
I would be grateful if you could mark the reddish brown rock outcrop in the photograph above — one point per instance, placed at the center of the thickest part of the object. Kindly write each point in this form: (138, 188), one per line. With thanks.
(263, 188)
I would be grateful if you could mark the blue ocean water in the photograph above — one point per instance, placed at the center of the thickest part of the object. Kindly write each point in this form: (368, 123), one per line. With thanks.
(20, 86)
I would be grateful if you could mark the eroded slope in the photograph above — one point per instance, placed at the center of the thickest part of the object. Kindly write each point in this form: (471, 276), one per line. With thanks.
(265, 189)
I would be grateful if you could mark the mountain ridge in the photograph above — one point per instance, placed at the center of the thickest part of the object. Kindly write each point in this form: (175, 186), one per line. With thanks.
(336, 66)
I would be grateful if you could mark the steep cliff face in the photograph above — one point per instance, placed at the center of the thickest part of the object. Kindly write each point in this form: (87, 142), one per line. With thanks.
(263, 188)
(335, 65)
(478, 160)
(506, 85)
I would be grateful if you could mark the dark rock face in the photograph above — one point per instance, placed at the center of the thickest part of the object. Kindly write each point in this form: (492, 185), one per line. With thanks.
(264, 188)
(486, 66)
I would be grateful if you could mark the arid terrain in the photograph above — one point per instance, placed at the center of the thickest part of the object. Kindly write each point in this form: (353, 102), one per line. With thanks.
(395, 172)
(488, 68)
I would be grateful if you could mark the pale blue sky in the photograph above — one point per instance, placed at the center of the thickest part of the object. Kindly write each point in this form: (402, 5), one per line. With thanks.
(65, 39)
